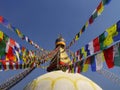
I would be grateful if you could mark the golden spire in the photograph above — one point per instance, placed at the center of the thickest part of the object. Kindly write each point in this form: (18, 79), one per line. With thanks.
(60, 41)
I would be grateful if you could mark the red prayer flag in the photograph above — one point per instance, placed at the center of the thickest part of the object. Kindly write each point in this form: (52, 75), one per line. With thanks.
(17, 65)
(10, 55)
(96, 44)
(91, 20)
(79, 69)
(1, 19)
(108, 53)
(12, 42)
(11, 65)
(4, 65)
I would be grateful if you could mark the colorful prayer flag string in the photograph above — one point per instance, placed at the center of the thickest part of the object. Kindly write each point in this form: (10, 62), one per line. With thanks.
(102, 42)
(13, 55)
(5, 22)
(110, 55)
(103, 48)
(94, 15)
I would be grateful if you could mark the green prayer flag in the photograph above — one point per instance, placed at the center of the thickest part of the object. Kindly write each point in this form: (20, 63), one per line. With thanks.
(101, 40)
(83, 28)
(117, 55)
(3, 46)
(5, 38)
(72, 70)
(94, 15)
(2, 49)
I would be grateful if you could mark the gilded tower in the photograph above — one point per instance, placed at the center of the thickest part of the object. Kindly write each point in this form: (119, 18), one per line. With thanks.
(61, 58)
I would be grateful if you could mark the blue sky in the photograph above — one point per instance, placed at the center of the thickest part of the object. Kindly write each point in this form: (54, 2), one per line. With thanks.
(43, 20)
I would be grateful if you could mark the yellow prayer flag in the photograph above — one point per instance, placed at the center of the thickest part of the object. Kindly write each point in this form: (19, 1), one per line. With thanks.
(18, 33)
(1, 35)
(76, 37)
(108, 41)
(112, 30)
(14, 58)
(86, 25)
(24, 59)
(85, 67)
(84, 52)
(6, 58)
(23, 65)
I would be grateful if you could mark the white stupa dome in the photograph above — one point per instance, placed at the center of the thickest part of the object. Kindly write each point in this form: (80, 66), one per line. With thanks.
(58, 80)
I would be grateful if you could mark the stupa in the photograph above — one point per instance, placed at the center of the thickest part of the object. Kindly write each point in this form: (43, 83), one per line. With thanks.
(56, 79)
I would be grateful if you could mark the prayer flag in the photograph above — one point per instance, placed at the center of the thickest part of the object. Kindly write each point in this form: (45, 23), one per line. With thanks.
(86, 25)
(96, 44)
(118, 26)
(94, 15)
(17, 56)
(2, 49)
(83, 28)
(108, 41)
(117, 37)
(91, 48)
(81, 32)
(7, 65)
(1, 19)
(12, 42)
(91, 20)
(81, 54)
(99, 61)
(72, 70)
(112, 31)
(86, 64)
(10, 55)
(100, 8)
(87, 50)
(84, 52)
(101, 40)
(108, 53)
(18, 33)
(77, 54)
(4, 65)
(11, 65)
(5, 38)
(93, 64)
(16, 65)
(17, 47)
(1, 35)
(77, 36)
(117, 54)
(78, 69)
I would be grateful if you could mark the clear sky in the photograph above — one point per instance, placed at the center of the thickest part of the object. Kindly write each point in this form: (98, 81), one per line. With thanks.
(43, 20)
